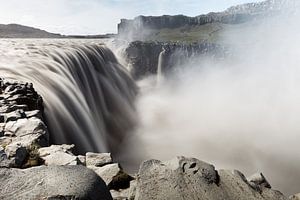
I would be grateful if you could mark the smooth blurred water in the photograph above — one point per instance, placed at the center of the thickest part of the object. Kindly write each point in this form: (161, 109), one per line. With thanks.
(88, 95)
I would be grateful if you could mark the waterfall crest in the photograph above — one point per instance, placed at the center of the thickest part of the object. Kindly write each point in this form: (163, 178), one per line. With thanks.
(88, 95)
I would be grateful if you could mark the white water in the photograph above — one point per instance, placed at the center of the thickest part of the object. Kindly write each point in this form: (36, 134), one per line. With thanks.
(161, 62)
(88, 95)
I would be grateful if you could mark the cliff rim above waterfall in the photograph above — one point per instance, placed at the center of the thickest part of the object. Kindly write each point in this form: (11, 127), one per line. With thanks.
(202, 28)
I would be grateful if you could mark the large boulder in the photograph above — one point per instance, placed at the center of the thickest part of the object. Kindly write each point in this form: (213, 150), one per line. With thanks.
(52, 182)
(189, 178)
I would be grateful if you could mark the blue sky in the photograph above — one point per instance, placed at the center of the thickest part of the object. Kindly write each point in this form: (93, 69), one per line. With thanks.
(98, 16)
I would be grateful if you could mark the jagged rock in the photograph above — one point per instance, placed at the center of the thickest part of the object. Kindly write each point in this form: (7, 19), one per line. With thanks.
(295, 197)
(82, 159)
(120, 195)
(20, 148)
(113, 175)
(14, 115)
(260, 180)
(132, 190)
(52, 182)
(4, 141)
(235, 186)
(98, 159)
(189, 178)
(58, 155)
(34, 113)
(65, 148)
(107, 172)
(2, 154)
(60, 158)
(125, 194)
(22, 129)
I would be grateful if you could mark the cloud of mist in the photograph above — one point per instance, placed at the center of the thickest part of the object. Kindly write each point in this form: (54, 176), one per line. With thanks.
(242, 113)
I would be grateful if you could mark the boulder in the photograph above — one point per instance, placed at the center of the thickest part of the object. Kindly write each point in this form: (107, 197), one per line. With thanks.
(98, 159)
(295, 197)
(259, 180)
(113, 175)
(125, 194)
(58, 155)
(189, 178)
(82, 160)
(65, 148)
(22, 127)
(52, 182)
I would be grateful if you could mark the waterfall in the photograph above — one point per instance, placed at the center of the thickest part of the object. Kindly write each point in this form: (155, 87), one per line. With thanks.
(161, 63)
(88, 95)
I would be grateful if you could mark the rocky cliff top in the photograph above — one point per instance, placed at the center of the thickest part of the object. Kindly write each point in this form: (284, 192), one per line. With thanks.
(185, 28)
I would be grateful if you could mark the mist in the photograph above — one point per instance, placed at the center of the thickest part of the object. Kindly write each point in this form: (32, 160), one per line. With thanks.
(240, 113)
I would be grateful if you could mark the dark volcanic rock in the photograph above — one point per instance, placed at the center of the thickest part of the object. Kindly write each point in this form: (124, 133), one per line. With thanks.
(22, 125)
(55, 182)
(143, 56)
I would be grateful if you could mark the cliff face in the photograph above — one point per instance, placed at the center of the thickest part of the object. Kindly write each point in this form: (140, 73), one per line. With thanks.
(167, 21)
(141, 27)
(143, 56)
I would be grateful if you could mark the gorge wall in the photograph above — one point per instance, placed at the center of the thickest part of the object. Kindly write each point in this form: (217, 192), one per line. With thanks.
(141, 27)
(143, 56)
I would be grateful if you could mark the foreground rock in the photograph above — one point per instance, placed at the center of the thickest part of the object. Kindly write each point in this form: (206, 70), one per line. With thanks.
(58, 155)
(189, 178)
(22, 129)
(63, 175)
(55, 182)
(295, 197)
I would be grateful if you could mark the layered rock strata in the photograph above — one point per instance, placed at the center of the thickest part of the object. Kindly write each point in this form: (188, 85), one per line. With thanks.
(143, 56)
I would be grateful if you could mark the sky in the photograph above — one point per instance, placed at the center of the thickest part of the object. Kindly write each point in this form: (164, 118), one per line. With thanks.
(98, 16)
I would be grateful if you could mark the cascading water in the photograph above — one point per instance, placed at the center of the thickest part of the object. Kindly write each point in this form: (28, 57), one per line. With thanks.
(161, 62)
(88, 96)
